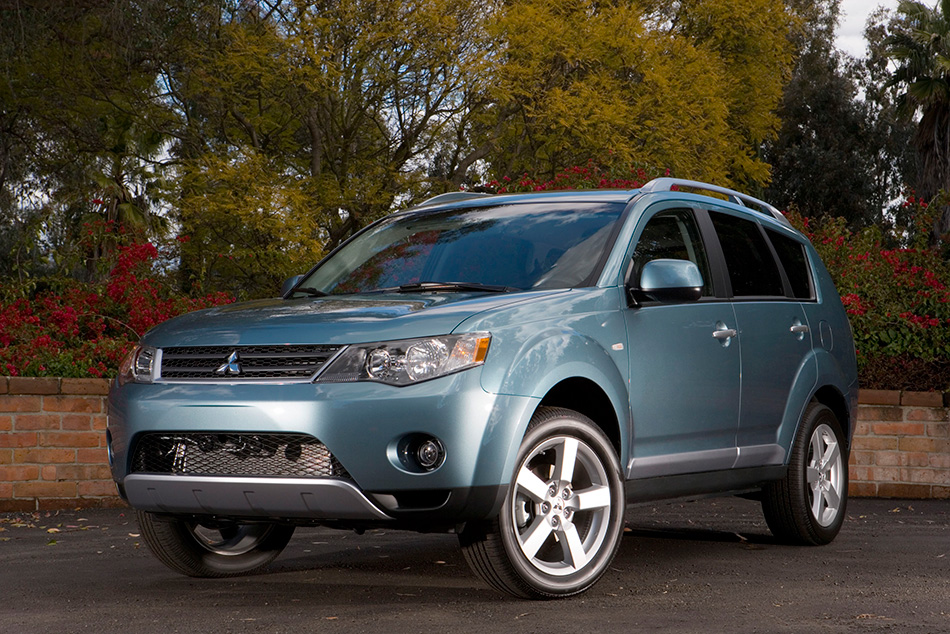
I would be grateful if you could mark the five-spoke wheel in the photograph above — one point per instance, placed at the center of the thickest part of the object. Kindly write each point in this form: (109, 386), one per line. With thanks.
(808, 505)
(562, 519)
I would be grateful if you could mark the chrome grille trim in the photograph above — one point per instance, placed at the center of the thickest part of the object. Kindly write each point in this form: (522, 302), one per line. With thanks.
(297, 363)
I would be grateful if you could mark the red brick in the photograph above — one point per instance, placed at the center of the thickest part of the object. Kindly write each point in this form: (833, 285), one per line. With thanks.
(69, 439)
(862, 489)
(16, 506)
(870, 443)
(81, 472)
(923, 399)
(44, 489)
(44, 456)
(926, 476)
(873, 414)
(57, 504)
(879, 397)
(6, 456)
(929, 445)
(36, 421)
(926, 413)
(902, 490)
(6, 423)
(938, 430)
(887, 458)
(862, 429)
(92, 456)
(862, 457)
(100, 422)
(77, 422)
(85, 404)
(85, 386)
(48, 472)
(885, 474)
(914, 459)
(898, 429)
(18, 439)
(939, 460)
(3, 385)
(19, 403)
(91, 488)
(940, 493)
(18, 472)
(857, 474)
(6, 490)
(33, 385)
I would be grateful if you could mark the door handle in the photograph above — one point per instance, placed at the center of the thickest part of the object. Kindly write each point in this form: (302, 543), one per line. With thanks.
(728, 333)
(799, 329)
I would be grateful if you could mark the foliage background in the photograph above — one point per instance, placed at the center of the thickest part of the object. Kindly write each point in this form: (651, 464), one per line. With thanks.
(157, 156)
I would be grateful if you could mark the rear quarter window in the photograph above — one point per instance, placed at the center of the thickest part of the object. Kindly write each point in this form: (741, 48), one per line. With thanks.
(792, 255)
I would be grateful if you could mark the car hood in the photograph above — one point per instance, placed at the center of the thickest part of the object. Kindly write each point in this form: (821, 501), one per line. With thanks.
(331, 320)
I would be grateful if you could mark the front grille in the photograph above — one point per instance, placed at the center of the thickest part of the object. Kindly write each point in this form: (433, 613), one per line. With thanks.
(244, 362)
(288, 455)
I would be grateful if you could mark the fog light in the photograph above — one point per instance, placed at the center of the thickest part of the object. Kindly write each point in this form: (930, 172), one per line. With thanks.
(430, 454)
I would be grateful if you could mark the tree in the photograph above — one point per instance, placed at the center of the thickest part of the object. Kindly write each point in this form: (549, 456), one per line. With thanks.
(920, 45)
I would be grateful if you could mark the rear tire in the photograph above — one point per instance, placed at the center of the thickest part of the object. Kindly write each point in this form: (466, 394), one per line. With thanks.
(223, 549)
(562, 519)
(808, 505)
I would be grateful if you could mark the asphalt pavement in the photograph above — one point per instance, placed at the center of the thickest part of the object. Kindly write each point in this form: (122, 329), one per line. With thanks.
(698, 566)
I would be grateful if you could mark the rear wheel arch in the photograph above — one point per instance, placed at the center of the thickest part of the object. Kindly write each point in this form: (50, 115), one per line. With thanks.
(834, 400)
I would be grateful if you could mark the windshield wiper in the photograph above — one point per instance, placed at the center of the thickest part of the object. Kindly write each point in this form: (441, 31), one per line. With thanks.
(420, 287)
(310, 291)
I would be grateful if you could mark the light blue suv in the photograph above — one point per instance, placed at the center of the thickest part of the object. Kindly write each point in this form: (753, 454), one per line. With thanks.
(516, 369)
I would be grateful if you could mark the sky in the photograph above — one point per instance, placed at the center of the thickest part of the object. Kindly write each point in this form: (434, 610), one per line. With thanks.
(854, 14)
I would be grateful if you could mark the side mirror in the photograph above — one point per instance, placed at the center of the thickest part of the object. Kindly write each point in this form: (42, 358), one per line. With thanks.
(671, 281)
(288, 284)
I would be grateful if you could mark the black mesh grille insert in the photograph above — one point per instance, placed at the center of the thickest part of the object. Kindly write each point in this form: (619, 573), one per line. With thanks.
(244, 362)
(288, 455)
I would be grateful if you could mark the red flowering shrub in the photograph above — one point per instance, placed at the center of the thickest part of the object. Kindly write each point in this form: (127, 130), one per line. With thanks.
(69, 329)
(897, 295)
(591, 176)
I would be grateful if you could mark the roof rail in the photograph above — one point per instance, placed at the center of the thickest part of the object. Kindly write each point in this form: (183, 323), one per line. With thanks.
(450, 197)
(667, 184)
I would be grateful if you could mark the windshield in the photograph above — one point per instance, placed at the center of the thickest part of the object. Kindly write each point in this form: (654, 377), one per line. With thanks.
(514, 247)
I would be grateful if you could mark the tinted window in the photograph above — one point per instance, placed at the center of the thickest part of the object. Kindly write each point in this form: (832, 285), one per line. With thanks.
(752, 269)
(529, 246)
(792, 255)
(673, 235)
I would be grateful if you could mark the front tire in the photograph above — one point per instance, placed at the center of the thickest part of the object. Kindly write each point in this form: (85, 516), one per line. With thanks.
(562, 519)
(808, 505)
(223, 549)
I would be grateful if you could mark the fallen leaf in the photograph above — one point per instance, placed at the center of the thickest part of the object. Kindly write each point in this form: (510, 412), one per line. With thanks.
(52, 530)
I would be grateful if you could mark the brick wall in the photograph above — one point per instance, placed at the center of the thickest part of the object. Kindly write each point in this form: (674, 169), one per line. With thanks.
(901, 445)
(53, 445)
(53, 451)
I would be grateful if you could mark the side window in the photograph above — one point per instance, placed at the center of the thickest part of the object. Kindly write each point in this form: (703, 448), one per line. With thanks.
(672, 234)
(791, 254)
(752, 269)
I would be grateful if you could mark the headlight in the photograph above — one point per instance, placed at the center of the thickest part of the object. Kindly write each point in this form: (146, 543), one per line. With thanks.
(138, 366)
(408, 361)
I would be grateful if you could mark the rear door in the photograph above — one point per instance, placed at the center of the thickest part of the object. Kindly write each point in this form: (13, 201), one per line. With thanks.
(774, 333)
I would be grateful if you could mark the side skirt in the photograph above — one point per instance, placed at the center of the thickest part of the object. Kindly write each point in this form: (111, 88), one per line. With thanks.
(726, 482)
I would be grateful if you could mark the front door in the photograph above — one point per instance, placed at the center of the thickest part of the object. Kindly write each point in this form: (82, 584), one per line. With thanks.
(684, 362)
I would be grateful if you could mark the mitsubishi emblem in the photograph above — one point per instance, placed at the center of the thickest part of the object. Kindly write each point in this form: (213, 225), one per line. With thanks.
(231, 366)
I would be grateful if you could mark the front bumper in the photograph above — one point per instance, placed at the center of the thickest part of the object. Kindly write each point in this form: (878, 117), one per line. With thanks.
(362, 425)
